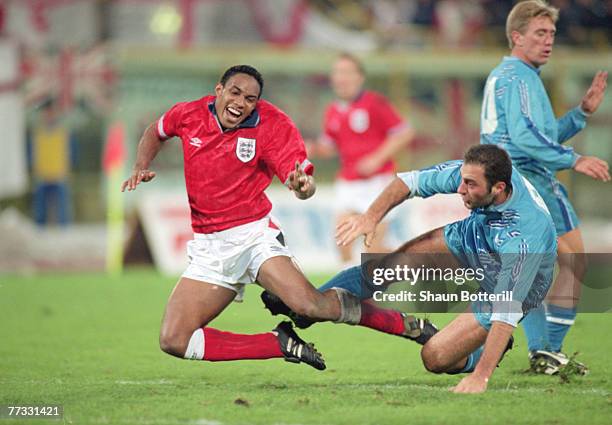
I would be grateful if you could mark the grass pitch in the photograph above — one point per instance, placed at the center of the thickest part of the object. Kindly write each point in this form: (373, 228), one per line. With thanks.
(89, 342)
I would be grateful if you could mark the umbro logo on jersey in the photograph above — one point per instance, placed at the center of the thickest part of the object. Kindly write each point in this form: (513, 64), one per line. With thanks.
(245, 149)
(195, 142)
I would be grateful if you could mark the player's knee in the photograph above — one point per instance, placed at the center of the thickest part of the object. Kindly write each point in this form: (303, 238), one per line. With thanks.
(433, 359)
(172, 343)
(575, 263)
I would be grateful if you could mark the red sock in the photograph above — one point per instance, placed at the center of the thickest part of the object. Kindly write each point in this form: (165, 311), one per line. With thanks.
(219, 346)
(388, 321)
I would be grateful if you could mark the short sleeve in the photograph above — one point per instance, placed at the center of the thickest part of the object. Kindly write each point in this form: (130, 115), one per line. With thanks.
(388, 117)
(440, 178)
(169, 124)
(286, 147)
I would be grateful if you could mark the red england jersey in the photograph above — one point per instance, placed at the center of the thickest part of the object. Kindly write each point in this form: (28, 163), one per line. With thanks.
(226, 173)
(358, 129)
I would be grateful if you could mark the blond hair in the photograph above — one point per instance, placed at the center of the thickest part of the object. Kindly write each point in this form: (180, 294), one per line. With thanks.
(522, 13)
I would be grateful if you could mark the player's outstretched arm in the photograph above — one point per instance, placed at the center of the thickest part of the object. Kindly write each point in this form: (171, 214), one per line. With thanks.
(148, 147)
(497, 340)
(352, 227)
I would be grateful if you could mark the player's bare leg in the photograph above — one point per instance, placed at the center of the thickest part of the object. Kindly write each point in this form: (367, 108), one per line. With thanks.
(280, 276)
(427, 250)
(350, 279)
(355, 305)
(432, 242)
(448, 350)
(566, 289)
(194, 304)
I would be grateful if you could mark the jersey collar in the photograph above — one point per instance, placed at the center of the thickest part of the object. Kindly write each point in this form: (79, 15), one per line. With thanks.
(250, 122)
(343, 104)
(515, 59)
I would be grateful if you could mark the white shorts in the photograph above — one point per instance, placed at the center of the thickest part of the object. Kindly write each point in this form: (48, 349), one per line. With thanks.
(357, 195)
(232, 258)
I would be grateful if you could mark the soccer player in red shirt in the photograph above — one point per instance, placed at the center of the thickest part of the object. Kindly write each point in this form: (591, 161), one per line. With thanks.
(233, 145)
(366, 132)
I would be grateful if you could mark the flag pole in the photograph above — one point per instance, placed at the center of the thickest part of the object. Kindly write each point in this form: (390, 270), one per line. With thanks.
(113, 166)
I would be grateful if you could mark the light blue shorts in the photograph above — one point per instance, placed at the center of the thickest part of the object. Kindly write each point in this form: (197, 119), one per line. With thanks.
(555, 197)
(457, 242)
(482, 312)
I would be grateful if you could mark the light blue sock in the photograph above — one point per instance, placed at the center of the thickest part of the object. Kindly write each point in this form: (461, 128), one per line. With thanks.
(350, 279)
(472, 360)
(471, 363)
(559, 319)
(536, 329)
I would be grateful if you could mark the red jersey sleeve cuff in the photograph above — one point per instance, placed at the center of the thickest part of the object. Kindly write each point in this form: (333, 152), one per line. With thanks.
(159, 129)
(306, 166)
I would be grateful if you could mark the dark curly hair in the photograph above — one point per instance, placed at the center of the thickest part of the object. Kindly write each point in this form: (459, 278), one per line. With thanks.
(495, 161)
(243, 69)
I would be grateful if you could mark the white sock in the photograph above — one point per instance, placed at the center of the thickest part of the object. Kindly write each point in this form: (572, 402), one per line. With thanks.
(195, 348)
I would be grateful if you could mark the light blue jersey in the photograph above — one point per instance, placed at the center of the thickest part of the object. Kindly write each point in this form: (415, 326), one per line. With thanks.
(514, 242)
(517, 116)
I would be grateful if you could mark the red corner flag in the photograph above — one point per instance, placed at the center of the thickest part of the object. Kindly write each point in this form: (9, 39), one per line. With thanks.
(114, 149)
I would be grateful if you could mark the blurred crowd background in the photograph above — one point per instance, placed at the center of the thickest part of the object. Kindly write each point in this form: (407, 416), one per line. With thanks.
(88, 66)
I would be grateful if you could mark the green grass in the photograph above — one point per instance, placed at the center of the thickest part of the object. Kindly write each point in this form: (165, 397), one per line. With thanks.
(89, 342)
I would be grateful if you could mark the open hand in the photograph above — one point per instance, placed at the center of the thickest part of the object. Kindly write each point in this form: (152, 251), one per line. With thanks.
(470, 384)
(593, 167)
(354, 226)
(138, 176)
(594, 95)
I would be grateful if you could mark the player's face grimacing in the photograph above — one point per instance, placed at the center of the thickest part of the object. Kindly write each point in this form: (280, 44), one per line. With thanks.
(535, 46)
(474, 189)
(236, 100)
(346, 79)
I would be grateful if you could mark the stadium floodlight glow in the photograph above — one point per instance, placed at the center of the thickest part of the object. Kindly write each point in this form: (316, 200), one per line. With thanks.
(166, 20)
